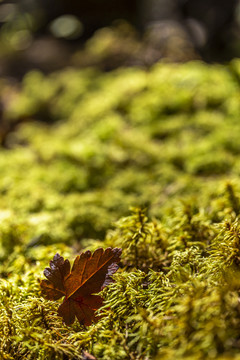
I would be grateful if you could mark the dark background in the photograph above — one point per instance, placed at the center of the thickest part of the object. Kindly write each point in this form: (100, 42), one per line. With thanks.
(30, 36)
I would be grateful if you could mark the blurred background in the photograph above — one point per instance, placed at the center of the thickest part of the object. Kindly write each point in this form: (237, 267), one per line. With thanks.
(51, 34)
(107, 104)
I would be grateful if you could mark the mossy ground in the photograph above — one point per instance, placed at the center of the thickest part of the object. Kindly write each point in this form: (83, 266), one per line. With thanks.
(90, 145)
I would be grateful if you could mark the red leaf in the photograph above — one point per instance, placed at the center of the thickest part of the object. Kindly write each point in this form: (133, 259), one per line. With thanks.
(89, 275)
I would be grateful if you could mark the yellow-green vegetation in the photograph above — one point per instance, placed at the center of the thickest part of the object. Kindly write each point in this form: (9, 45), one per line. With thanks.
(89, 146)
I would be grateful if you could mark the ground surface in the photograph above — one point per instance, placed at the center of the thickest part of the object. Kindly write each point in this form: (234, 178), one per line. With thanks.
(81, 147)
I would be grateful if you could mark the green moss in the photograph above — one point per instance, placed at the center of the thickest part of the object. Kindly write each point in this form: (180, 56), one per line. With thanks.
(90, 145)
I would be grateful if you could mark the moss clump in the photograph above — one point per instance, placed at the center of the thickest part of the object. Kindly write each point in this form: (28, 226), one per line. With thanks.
(177, 297)
(96, 144)
(87, 146)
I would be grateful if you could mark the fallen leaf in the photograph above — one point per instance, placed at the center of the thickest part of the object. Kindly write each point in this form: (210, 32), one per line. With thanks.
(89, 275)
